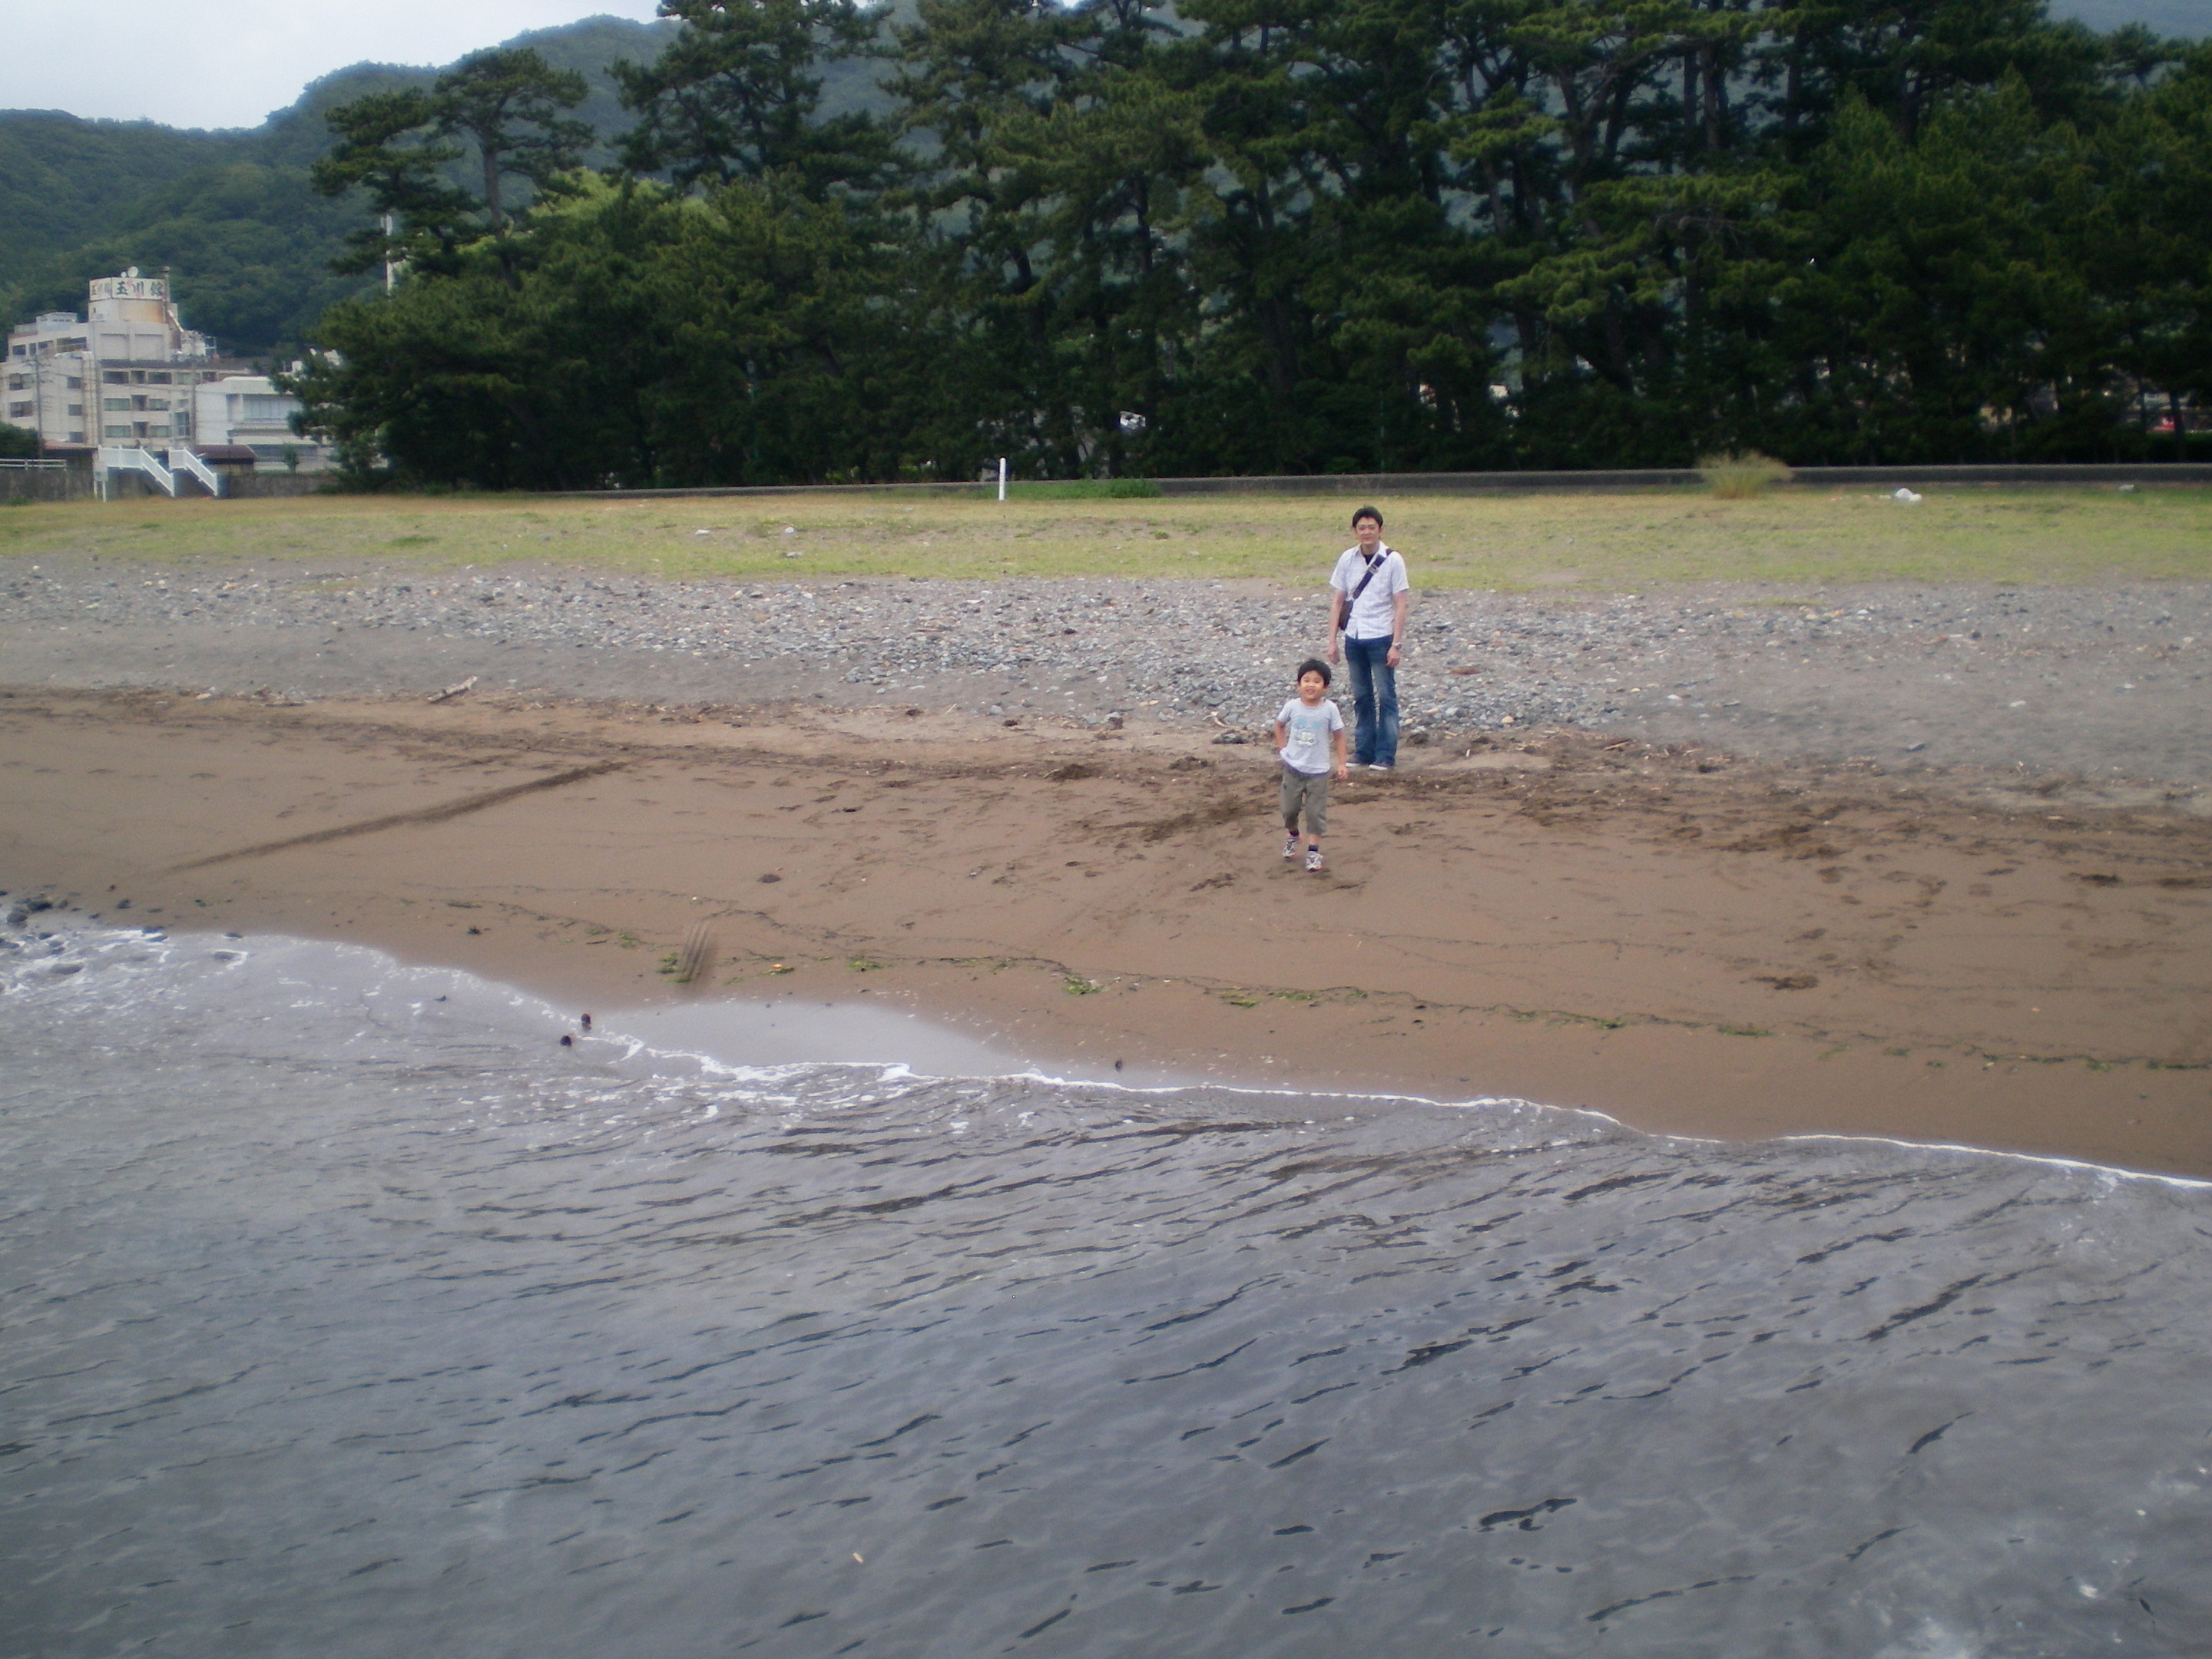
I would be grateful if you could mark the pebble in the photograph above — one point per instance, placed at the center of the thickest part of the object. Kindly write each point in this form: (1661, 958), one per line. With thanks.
(1204, 655)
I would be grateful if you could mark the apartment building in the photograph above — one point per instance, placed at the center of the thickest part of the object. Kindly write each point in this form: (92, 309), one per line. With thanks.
(123, 372)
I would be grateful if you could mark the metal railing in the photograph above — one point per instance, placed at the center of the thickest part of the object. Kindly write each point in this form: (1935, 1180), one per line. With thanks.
(183, 460)
(133, 459)
(11, 464)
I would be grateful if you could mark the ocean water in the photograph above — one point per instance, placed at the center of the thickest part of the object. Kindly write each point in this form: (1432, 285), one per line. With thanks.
(348, 1314)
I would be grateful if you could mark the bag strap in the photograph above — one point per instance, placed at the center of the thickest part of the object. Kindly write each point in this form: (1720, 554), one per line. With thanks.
(1353, 598)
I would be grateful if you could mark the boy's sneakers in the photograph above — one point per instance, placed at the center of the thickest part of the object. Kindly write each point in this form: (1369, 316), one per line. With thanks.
(1313, 861)
(1291, 846)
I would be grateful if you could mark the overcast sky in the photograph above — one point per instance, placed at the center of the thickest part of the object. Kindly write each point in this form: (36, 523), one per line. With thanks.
(201, 64)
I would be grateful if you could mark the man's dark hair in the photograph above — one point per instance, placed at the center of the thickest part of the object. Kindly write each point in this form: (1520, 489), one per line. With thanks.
(1367, 512)
(1313, 666)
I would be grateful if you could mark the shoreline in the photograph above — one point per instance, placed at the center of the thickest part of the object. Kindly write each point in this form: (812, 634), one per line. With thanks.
(939, 1051)
(1680, 941)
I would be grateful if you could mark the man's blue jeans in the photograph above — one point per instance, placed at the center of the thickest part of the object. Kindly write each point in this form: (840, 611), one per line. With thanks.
(1374, 701)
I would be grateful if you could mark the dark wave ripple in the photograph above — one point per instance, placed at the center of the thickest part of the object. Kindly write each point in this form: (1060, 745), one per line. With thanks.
(341, 1320)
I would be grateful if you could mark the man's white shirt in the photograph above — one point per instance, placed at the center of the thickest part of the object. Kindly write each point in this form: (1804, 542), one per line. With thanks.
(1375, 615)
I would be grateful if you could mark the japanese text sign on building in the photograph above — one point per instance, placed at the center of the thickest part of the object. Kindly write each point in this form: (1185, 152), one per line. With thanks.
(130, 287)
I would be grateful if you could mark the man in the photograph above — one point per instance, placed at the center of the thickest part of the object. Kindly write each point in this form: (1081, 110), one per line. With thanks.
(1368, 594)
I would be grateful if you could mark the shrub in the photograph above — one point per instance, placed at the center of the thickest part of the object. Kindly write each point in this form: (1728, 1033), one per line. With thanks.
(1737, 477)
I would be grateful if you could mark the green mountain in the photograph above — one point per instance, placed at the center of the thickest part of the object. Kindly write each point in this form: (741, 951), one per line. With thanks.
(229, 213)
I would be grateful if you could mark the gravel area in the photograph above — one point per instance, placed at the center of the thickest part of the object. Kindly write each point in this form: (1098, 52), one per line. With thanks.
(2101, 683)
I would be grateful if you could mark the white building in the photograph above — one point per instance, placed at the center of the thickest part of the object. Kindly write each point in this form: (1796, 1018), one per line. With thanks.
(248, 411)
(123, 374)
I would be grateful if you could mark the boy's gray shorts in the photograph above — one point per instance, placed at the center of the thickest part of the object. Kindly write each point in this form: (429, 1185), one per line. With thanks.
(1303, 791)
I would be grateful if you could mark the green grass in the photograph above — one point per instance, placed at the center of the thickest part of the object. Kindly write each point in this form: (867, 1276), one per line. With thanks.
(1794, 539)
(1080, 489)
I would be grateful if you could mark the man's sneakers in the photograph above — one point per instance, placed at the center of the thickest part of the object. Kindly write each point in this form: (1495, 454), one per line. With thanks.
(1313, 861)
(1291, 846)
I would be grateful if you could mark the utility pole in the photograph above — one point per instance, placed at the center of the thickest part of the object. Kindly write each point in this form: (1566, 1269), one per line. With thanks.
(38, 396)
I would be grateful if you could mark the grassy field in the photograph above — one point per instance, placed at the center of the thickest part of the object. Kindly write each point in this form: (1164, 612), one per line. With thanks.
(1573, 542)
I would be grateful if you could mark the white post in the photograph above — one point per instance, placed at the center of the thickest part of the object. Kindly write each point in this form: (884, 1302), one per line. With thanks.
(1002, 478)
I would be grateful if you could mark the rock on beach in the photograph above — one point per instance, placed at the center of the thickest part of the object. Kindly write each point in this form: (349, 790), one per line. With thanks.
(2098, 681)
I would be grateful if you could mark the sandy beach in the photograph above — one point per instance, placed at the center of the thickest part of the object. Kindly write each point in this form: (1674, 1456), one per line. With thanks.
(1690, 939)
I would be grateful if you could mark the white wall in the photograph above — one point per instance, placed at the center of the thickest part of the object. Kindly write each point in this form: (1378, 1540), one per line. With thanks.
(249, 409)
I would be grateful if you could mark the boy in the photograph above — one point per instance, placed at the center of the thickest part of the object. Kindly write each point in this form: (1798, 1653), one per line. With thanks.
(1309, 737)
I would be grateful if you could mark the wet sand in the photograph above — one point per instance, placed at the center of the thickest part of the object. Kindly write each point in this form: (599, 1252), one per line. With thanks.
(1693, 943)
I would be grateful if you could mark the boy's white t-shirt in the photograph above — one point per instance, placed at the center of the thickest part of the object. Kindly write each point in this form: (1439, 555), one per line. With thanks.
(1307, 732)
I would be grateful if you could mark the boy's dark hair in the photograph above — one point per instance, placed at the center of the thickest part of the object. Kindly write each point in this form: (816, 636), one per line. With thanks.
(1313, 666)
(1367, 512)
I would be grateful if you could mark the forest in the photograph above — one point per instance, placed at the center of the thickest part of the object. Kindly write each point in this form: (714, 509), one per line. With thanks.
(1121, 240)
